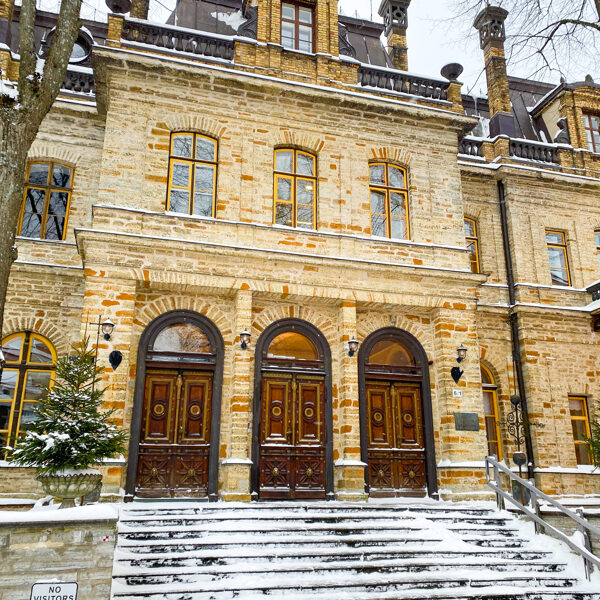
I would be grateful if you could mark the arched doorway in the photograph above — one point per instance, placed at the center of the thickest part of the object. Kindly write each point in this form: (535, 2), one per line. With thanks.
(395, 414)
(174, 447)
(292, 438)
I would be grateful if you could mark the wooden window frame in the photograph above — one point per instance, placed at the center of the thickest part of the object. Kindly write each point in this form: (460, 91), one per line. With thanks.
(296, 23)
(23, 367)
(587, 125)
(388, 190)
(597, 242)
(585, 418)
(475, 241)
(492, 388)
(295, 177)
(48, 189)
(563, 247)
(192, 162)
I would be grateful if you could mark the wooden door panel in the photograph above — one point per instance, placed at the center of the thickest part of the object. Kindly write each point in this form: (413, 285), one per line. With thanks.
(379, 422)
(159, 420)
(309, 415)
(275, 417)
(195, 410)
(408, 411)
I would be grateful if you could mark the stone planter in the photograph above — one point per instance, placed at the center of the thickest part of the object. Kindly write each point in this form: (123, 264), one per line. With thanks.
(70, 485)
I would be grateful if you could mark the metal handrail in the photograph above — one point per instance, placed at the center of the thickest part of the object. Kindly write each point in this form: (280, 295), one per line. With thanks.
(583, 526)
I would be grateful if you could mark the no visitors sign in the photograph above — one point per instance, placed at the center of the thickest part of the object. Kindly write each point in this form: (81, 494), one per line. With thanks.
(54, 590)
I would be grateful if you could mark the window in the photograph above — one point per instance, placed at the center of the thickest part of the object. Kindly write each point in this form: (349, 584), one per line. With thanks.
(297, 27)
(597, 238)
(389, 201)
(490, 408)
(46, 201)
(192, 174)
(295, 189)
(30, 362)
(592, 132)
(472, 243)
(557, 256)
(581, 428)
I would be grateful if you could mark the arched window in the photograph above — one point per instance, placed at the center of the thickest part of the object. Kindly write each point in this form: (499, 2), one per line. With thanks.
(30, 364)
(181, 342)
(490, 408)
(192, 174)
(472, 243)
(295, 189)
(389, 201)
(46, 201)
(292, 345)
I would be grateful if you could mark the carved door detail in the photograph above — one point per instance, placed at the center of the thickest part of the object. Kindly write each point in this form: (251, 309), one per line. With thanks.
(396, 452)
(292, 437)
(175, 436)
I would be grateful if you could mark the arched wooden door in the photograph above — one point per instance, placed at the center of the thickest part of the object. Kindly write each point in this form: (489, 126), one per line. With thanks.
(175, 449)
(292, 447)
(396, 430)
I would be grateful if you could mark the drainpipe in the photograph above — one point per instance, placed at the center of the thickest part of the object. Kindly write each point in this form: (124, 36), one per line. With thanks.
(513, 317)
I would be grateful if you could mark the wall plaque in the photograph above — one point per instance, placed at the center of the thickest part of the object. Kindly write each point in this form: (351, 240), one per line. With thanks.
(55, 590)
(464, 421)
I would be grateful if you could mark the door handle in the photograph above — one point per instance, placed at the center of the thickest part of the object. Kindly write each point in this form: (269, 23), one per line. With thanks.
(180, 430)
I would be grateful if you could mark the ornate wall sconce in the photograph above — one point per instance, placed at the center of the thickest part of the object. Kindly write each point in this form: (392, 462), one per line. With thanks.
(107, 327)
(352, 346)
(245, 339)
(457, 372)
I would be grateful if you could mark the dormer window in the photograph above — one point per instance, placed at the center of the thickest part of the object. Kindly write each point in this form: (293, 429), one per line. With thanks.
(592, 132)
(297, 27)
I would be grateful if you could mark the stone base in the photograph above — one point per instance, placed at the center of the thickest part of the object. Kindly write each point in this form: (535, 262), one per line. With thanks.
(352, 496)
(233, 497)
(234, 478)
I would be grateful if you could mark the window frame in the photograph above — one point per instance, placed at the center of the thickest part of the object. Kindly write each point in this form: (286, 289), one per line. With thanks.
(192, 162)
(562, 247)
(388, 190)
(296, 23)
(48, 189)
(585, 418)
(492, 389)
(475, 241)
(589, 131)
(23, 367)
(295, 177)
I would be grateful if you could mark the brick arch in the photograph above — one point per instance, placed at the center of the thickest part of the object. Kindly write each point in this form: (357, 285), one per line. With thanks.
(281, 312)
(393, 154)
(374, 321)
(41, 150)
(160, 306)
(194, 123)
(41, 327)
(300, 140)
(472, 213)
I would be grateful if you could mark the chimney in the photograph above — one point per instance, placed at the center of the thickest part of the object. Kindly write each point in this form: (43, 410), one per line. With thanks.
(395, 19)
(490, 24)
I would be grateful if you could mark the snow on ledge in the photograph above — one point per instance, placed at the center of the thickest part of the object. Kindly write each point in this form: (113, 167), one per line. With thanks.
(343, 462)
(52, 514)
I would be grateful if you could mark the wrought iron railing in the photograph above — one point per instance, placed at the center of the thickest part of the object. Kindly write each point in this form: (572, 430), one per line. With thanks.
(470, 147)
(177, 39)
(533, 512)
(399, 81)
(537, 151)
(79, 82)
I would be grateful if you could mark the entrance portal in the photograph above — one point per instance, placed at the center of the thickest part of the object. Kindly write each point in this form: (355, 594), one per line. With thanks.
(396, 425)
(293, 416)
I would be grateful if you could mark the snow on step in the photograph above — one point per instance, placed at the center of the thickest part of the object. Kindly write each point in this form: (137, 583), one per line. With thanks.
(345, 551)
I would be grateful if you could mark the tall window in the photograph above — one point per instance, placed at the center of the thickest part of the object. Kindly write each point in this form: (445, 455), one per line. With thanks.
(389, 201)
(490, 408)
(46, 201)
(592, 132)
(30, 362)
(192, 174)
(472, 243)
(557, 256)
(297, 30)
(597, 239)
(580, 423)
(295, 189)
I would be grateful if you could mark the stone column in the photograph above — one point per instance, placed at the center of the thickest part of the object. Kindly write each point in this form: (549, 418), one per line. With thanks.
(235, 475)
(349, 469)
(395, 18)
(112, 298)
(490, 24)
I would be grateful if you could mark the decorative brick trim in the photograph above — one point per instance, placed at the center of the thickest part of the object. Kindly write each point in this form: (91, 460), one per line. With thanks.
(300, 140)
(41, 150)
(193, 123)
(44, 328)
(401, 156)
(366, 324)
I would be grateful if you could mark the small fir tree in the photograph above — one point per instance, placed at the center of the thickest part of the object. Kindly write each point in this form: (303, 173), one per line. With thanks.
(594, 439)
(71, 431)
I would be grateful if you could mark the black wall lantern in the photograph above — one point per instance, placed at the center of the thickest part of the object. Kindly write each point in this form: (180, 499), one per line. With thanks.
(457, 372)
(115, 358)
(107, 328)
(245, 339)
(352, 346)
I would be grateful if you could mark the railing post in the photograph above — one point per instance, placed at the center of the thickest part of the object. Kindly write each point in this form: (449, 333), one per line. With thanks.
(498, 480)
(587, 544)
(535, 506)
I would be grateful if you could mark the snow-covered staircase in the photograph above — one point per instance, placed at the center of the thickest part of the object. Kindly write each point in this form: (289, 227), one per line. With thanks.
(337, 550)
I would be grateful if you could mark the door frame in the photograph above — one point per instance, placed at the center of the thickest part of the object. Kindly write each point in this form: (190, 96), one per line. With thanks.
(147, 338)
(262, 345)
(411, 343)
